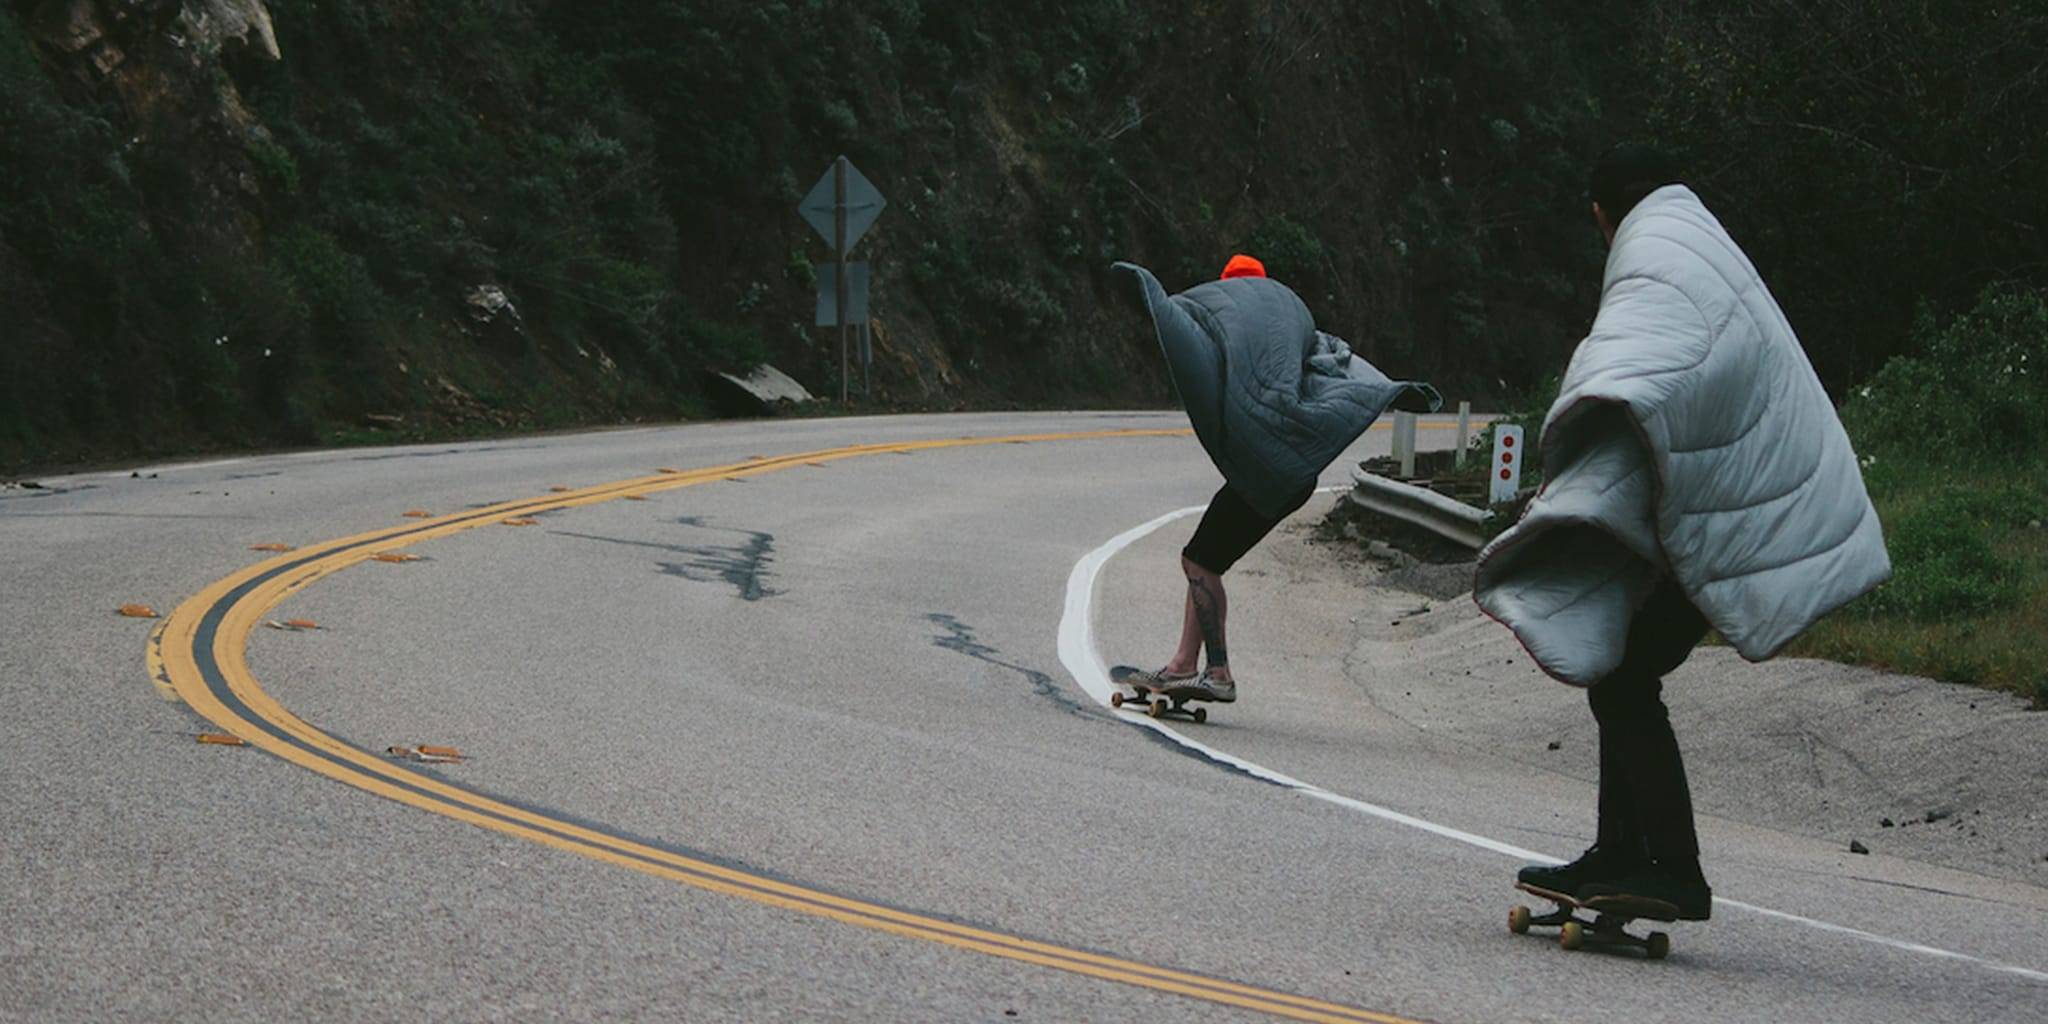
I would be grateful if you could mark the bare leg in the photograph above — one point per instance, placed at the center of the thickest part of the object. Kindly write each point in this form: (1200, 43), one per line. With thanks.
(1210, 608)
(1187, 656)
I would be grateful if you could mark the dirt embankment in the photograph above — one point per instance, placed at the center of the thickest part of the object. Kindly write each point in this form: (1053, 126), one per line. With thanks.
(1878, 762)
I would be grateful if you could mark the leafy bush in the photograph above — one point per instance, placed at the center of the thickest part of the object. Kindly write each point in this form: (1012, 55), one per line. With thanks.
(333, 283)
(1943, 562)
(1951, 442)
(1290, 251)
(274, 164)
(1977, 390)
(726, 346)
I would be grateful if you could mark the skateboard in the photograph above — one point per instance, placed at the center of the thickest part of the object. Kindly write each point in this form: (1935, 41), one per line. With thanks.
(1158, 701)
(1608, 927)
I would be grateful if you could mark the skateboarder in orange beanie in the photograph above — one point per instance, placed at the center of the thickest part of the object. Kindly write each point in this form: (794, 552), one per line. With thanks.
(1244, 354)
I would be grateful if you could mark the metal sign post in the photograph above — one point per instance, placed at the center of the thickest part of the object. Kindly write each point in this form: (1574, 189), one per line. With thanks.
(867, 360)
(1464, 434)
(839, 261)
(841, 207)
(1404, 443)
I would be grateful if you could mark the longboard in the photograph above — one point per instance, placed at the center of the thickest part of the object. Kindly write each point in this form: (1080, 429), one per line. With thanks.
(1158, 701)
(1607, 927)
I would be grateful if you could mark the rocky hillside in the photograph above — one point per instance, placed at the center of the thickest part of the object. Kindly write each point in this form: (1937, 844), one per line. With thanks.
(255, 222)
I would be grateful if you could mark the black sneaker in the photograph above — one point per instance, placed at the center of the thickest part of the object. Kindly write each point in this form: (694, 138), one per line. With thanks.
(1643, 890)
(1595, 865)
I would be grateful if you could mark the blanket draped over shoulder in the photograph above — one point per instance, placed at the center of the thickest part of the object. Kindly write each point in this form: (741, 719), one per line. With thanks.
(1272, 399)
(1691, 439)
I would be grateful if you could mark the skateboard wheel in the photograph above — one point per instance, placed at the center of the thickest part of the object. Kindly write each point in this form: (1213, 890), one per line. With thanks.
(1116, 700)
(1572, 935)
(1518, 920)
(1659, 946)
(1201, 715)
(1157, 709)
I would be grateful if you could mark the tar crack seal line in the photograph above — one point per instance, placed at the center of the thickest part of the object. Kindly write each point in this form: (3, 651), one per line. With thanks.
(959, 638)
(743, 566)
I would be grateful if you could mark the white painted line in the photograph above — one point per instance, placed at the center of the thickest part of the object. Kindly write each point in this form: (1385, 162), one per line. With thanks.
(169, 467)
(1085, 663)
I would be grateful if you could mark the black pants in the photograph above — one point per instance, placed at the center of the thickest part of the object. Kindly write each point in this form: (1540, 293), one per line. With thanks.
(1645, 804)
(1231, 526)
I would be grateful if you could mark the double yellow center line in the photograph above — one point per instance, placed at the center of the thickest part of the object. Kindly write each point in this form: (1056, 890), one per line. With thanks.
(201, 655)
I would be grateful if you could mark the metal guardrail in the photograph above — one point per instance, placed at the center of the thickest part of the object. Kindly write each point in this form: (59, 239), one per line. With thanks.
(1448, 518)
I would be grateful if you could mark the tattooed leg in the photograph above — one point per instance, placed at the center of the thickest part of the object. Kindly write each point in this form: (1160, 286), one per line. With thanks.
(1187, 656)
(1205, 596)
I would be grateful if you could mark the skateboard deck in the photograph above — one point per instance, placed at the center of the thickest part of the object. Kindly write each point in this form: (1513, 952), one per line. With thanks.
(1158, 701)
(1607, 927)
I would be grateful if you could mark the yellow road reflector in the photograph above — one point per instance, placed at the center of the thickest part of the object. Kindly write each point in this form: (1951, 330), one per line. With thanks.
(756, 458)
(221, 739)
(522, 521)
(426, 753)
(819, 465)
(270, 547)
(292, 624)
(559, 489)
(417, 513)
(393, 556)
(737, 479)
(137, 611)
(669, 470)
(635, 497)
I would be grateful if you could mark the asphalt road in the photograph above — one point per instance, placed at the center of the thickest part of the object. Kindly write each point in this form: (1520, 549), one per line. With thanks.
(808, 738)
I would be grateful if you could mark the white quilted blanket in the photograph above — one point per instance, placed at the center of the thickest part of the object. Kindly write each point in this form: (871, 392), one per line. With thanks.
(1691, 437)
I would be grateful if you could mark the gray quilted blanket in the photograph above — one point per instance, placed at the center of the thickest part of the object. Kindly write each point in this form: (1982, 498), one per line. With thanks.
(1272, 400)
(1691, 438)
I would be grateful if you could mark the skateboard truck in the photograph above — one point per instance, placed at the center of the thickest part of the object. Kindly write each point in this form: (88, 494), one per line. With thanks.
(1157, 706)
(1607, 927)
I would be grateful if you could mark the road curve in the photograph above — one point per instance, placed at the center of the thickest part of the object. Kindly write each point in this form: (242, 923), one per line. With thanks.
(813, 671)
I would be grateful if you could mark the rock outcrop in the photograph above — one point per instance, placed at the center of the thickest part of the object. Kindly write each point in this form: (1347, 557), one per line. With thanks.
(104, 33)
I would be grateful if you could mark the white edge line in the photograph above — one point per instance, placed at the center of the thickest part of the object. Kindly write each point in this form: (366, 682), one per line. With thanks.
(1084, 662)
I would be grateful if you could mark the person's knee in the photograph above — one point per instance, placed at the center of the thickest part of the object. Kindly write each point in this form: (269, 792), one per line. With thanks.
(1196, 571)
(1623, 698)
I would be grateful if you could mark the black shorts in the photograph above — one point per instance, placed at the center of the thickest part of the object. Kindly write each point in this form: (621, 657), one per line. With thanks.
(1231, 527)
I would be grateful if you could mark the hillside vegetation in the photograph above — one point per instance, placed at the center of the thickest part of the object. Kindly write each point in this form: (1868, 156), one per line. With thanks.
(270, 222)
(1954, 444)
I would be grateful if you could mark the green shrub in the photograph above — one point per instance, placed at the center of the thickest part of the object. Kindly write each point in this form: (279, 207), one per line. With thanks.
(334, 283)
(1978, 391)
(799, 271)
(274, 165)
(726, 346)
(1290, 251)
(1944, 563)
